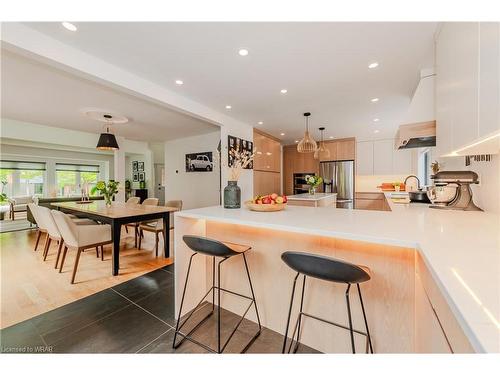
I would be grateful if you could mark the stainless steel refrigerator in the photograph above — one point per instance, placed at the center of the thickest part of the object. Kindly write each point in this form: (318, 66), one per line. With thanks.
(338, 177)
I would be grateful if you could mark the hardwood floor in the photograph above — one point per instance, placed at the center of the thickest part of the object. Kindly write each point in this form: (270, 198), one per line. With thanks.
(30, 286)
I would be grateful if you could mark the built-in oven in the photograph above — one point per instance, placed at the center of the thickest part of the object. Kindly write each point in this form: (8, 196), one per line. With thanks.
(300, 185)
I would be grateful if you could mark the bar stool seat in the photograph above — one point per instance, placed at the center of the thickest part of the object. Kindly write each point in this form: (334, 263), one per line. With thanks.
(332, 270)
(325, 268)
(215, 249)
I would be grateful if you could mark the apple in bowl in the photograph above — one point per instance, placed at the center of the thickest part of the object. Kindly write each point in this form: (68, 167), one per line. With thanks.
(267, 203)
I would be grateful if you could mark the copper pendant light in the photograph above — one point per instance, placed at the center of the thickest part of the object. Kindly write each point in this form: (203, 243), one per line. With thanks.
(321, 152)
(307, 144)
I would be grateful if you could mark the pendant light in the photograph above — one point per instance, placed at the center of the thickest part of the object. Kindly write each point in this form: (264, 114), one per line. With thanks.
(321, 152)
(107, 141)
(307, 144)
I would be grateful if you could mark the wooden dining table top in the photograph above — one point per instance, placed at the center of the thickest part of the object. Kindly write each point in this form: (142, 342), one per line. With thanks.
(116, 210)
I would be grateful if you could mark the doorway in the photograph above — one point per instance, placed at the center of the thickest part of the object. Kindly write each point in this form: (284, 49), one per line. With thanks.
(160, 183)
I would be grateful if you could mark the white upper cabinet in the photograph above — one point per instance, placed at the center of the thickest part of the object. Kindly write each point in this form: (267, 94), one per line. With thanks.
(383, 151)
(467, 84)
(489, 77)
(364, 158)
(381, 158)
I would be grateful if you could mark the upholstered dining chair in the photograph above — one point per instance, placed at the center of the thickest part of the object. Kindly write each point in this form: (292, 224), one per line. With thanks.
(146, 202)
(80, 237)
(53, 234)
(133, 200)
(156, 226)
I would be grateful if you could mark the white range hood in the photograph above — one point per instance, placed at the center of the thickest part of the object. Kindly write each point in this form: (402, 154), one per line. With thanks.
(418, 127)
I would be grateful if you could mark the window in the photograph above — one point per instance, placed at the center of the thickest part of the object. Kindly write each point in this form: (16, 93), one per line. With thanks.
(21, 178)
(72, 178)
(424, 167)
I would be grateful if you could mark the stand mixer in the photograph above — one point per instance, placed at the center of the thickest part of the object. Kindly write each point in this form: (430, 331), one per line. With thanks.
(452, 191)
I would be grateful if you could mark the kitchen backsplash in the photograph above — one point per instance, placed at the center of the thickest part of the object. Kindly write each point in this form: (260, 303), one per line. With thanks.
(369, 183)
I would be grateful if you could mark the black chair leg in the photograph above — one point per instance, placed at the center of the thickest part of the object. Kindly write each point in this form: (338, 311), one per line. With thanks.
(289, 313)
(182, 302)
(300, 316)
(350, 317)
(364, 317)
(218, 306)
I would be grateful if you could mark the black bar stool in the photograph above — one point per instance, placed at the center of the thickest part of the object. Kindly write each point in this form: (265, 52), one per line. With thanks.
(329, 269)
(225, 251)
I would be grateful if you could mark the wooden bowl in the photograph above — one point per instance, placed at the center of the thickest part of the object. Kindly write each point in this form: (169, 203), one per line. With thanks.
(265, 207)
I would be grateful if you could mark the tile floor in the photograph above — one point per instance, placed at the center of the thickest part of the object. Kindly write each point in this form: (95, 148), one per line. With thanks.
(136, 316)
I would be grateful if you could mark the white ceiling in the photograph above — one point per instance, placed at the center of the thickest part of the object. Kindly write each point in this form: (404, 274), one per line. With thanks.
(38, 93)
(322, 65)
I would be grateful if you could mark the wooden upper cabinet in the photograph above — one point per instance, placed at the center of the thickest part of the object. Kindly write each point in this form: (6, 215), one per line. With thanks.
(332, 147)
(346, 149)
(268, 153)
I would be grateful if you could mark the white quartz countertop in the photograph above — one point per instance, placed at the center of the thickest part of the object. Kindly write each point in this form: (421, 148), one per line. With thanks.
(310, 197)
(461, 249)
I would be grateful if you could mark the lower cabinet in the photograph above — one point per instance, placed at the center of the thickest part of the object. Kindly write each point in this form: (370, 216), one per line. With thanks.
(266, 182)
(429, 336)
(371, 201)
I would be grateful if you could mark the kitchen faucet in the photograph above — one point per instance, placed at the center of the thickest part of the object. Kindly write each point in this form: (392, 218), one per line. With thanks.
(418, 181)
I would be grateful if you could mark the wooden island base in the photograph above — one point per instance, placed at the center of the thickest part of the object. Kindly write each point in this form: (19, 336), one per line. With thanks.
(397, 303)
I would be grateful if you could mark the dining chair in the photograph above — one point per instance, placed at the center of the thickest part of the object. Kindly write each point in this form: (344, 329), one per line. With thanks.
(156, 226)
(53, 234)
(146, 202)
(80, 237)
(40, 227)
(132, 201)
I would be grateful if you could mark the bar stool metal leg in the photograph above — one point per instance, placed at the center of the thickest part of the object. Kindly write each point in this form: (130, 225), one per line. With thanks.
(350, 317)
(364, 317)
(289, 313)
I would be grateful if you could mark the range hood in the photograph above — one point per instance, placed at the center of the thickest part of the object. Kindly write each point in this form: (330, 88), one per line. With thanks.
(418, 127)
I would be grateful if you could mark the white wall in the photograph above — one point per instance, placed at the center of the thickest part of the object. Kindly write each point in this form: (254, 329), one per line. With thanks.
(195, 189)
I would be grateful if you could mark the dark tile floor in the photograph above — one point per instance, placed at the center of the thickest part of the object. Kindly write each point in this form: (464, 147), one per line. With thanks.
(136, 316)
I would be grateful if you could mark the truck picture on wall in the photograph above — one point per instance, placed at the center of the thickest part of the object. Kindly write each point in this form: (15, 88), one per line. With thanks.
(199, 162)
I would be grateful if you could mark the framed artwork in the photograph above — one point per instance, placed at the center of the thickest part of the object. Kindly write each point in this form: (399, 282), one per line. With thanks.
(200, 162)
(135, 177)
(134, 166)
(142, 176)
(239, 145)
(140, 166)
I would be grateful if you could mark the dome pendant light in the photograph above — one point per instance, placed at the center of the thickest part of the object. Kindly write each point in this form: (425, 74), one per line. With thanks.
(107, 141)
(307, 144)
(322, 152)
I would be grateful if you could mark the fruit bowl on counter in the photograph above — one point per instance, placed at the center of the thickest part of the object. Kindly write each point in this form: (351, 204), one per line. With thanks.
(267, 203)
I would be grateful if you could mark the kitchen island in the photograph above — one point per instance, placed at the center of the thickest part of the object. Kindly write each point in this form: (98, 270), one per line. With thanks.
(435, 283)
(313, 200)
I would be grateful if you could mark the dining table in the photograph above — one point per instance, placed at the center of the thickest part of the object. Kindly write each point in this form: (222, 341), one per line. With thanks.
(116, 215)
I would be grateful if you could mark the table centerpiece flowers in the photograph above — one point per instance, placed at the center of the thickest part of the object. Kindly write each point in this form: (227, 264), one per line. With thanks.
(107, 190)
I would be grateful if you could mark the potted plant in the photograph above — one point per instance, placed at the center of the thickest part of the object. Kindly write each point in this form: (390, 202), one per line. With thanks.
(232, 192)
(313, 182)
(107, 190)
(397, 186)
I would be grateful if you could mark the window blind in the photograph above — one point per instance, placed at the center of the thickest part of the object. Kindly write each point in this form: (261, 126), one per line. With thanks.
(26, 165)
(77, 167)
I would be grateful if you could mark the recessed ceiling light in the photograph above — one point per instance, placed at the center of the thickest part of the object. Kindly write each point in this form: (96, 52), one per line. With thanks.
(373, 65)
(296, 141)
(376, 131)
(374, 100)
(284, 91)
(282, 134)
(260, 122)
(243, 52)
(228, 107)
(376, 120)
(69, 26)
(331, 137)
(179, 82)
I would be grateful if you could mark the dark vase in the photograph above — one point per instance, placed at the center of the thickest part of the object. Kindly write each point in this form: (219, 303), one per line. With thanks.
(232, 195)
